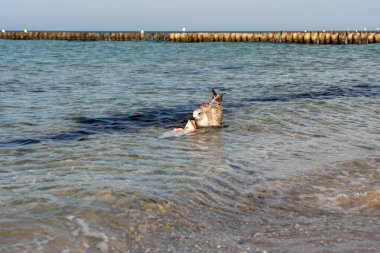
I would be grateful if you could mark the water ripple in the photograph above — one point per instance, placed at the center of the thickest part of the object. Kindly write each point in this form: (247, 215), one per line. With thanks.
(83, 167)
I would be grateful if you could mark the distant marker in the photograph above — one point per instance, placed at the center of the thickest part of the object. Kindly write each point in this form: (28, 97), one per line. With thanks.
(365, 29)
(25, 30)
(323, 30)
(356, 30)
(3, 30)
(184, 29)
(142, 31)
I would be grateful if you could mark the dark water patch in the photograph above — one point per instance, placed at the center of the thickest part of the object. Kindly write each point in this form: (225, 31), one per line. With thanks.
(15, 85)
(12, 90)
(187, 72)
(7, 90)
(232, 67)
(36, 90)
(329, 93)
(19, 142)
(78, 135)
(11, 82)
(178, 72)
(121, 123)
(93, 121)
(163, 117)
(75, 135)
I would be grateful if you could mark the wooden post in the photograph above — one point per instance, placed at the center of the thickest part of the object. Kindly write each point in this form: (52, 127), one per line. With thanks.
(356, 38)
(295, 37)
(276, 37)
(211, 37)
(171, 37)
(306, 38)
(289, 37)
(364, 37)
(221, 37)
(350, 38)
(244, 37)
(334, 38)
(250, 37)
(283, 37)
(264, 37)
(314, 38)
(256, 37)
(377, 38)
(233, 37)
(342, 38)
(184, 38)
(371, 38)
(141, 36)
(270, 37)
(328, 38)
(321, 38)
(227, 37)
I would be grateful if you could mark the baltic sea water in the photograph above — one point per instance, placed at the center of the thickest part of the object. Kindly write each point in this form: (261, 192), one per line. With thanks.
(84, 167)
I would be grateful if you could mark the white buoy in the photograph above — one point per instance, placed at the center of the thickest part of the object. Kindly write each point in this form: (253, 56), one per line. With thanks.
(3, 30)
(356, 30)
(142, 31)
(378, 30)
(348, 29)
(324, 30)
(25, 30)
(365, 29)
(184, 29)
(305, 31)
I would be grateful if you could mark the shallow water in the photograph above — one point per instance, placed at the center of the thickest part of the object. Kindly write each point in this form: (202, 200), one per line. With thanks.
(84, 167)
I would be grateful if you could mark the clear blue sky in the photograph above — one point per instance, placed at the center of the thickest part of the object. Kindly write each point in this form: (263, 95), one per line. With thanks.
(216, 15)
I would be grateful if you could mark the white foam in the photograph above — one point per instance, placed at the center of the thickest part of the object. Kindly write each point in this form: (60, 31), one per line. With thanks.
(88, 232)
(173, 133)
(189, 128)
(102, 246)
(71, 217)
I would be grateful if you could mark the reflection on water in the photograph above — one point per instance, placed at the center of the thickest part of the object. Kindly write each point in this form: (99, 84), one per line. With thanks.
(83, 167)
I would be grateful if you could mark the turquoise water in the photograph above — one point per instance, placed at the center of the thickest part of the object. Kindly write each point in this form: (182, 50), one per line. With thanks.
(84, 166)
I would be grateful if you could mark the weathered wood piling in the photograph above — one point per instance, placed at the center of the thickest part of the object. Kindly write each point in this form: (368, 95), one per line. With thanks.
(321, 38)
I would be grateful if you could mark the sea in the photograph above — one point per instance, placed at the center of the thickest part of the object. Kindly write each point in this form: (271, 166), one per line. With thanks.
(86, 166)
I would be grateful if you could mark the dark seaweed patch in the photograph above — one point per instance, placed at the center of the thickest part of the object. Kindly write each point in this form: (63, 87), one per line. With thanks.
(19, 142)
(36, 90)
(329, 93)
(165, 117)
(232, 68)
(71, 135)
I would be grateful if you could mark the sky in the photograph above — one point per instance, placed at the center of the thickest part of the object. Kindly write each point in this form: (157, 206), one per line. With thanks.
(195, 15)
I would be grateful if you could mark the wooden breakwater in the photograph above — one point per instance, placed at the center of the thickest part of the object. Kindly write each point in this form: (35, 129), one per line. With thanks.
(321, 38)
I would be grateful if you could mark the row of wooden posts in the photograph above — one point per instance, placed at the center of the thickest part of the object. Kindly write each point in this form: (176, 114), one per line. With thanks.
(274, 37)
